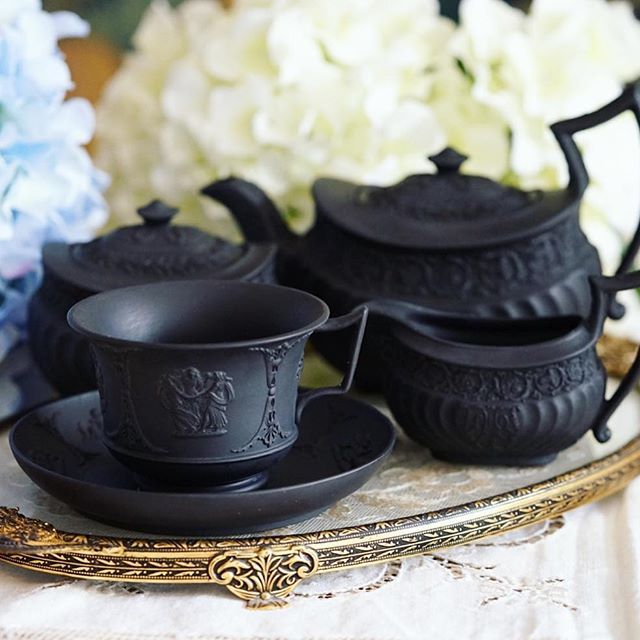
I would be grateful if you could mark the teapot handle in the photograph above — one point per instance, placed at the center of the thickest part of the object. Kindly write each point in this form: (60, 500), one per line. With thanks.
(359, 317)
(629, 100)
(604, 288)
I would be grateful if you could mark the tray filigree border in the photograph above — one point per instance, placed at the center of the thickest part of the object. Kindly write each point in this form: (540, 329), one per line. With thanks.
(264, 571)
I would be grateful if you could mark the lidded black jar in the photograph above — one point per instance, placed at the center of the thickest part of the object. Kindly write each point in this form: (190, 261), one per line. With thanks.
(152, 251)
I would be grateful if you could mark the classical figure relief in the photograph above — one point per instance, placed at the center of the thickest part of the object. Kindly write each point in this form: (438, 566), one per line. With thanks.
(197, 400)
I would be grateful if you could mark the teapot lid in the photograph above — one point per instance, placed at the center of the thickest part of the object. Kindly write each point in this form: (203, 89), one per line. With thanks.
(153, 250)
(443, 211)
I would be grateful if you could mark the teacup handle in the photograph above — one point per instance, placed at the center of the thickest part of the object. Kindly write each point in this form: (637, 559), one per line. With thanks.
(356, 317)
(604, 289)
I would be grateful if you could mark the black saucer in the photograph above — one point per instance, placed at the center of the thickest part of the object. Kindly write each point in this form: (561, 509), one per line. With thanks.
(342, 443)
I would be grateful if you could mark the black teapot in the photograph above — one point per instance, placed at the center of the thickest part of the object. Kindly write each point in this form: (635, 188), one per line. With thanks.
(500, 391)
(152, 251)
(462, 244)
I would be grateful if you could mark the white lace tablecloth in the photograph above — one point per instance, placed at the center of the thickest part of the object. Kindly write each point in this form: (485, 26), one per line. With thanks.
(574, 577)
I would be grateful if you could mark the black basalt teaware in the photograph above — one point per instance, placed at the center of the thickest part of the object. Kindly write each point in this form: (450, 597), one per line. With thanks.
(198, 379)
(462, 244)
(500, 391)
(155, 250)
(342, 443)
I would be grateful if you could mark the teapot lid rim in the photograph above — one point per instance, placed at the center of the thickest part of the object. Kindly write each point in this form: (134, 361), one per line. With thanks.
(151, 251)
(336, 201)
(57, 260)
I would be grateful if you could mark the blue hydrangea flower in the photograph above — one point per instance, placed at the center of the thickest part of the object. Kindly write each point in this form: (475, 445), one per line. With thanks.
(49, 188)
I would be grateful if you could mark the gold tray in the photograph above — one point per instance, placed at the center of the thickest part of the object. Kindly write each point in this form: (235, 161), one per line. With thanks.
(415, 505)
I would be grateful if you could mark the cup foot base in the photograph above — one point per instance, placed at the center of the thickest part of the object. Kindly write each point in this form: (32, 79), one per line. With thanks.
(504, 461)
(239, 486)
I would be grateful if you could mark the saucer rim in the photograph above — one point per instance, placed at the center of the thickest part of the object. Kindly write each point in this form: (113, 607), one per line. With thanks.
(24, 420)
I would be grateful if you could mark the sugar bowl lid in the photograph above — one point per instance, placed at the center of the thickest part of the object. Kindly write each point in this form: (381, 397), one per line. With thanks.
(447, 210)
(154, 250)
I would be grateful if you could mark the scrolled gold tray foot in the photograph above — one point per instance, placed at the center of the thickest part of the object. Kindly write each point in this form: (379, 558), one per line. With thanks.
(263, 576)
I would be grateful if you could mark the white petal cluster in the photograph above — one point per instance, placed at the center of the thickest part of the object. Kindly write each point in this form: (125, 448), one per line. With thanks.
(283, 91)
(562, 59)
(276, 91)
(49, 189)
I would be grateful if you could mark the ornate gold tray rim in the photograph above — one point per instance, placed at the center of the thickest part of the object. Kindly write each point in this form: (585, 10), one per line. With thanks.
(265, 570)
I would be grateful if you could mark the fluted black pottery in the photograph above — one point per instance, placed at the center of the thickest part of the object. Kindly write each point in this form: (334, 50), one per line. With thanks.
(458, 243)
(510, 392)
(198, 380)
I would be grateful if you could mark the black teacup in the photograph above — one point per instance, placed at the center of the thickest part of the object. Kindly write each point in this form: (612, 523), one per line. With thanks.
(198, 380)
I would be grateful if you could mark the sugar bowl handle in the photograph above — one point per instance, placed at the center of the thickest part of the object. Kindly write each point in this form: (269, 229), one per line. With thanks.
(604, 289)
(356, 317)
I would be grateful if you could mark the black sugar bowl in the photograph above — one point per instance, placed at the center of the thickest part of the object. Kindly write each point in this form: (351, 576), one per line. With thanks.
(509, 392)
(152, 251)
(458, 243)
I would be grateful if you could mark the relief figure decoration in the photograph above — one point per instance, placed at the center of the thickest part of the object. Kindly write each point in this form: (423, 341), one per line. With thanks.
(197, 400)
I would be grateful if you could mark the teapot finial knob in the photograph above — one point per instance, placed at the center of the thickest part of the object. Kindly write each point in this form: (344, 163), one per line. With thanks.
(448, 160)
(157, 213)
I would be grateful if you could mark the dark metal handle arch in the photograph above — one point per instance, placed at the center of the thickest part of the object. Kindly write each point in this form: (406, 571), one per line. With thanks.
(605, 289)
(356, 317)
(629, 100)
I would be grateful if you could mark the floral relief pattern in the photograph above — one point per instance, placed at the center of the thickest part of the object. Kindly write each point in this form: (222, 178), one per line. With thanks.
(264, 576)
(94, 255)
(487, 274)
(86, 435)
(494, 385)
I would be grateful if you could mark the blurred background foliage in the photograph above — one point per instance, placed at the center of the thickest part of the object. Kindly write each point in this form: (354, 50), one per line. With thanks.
(115, 20)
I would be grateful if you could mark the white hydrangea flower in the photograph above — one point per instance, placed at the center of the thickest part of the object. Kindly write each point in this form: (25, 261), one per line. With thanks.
(278, 92)
(562, 59)
(49, 189)
(565, 58)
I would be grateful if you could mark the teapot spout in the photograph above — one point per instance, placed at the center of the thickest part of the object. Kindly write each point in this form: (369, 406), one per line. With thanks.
(252, 209)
